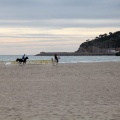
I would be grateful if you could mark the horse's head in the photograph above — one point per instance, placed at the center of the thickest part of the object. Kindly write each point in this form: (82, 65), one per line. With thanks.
(26, 58)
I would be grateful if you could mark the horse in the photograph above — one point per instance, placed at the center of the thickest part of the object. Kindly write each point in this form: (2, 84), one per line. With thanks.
(19, 60)
(55, 61)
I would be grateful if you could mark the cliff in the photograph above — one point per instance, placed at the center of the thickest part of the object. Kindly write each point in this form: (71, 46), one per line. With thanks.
(102, 44)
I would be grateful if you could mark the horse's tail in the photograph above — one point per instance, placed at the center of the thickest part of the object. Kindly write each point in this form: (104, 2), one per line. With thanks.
(16, 59)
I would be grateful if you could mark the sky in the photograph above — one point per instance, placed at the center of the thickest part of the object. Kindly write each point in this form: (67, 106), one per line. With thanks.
(32, 26)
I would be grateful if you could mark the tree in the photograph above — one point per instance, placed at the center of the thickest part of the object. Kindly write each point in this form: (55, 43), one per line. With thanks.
(110, 33)
(105, 35)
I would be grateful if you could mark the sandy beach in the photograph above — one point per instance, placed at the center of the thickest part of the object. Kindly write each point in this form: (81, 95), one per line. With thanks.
(79, 91)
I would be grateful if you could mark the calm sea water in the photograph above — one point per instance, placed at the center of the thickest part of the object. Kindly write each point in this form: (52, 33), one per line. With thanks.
(65, 59)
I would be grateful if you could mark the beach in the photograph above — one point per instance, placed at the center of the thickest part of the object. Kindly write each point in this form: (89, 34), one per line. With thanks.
(69, 91)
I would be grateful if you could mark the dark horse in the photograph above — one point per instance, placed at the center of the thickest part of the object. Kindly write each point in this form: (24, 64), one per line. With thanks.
(19, 60)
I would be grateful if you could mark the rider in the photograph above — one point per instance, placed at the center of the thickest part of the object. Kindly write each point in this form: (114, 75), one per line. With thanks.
(23, 57)
(56, 58)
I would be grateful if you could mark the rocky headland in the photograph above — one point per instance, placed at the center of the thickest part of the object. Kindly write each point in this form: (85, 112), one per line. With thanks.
(104, 44)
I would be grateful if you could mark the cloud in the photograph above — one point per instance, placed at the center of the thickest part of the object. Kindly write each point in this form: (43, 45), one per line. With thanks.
(61, 23)
(62, 9)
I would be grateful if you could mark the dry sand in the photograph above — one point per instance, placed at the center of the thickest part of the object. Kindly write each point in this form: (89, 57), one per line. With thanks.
(80, 91)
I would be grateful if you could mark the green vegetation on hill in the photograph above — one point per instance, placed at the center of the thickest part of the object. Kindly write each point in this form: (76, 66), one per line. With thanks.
(102, 43)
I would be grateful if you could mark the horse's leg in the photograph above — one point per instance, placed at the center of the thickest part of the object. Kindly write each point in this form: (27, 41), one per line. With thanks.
(19, 63)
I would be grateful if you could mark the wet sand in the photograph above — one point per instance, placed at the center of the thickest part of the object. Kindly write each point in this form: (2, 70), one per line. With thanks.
(79, 91)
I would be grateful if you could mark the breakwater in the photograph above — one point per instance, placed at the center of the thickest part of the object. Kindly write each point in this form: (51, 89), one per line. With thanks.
(73, 54)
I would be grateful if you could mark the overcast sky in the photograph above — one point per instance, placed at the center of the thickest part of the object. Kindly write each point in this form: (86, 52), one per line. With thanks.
(32, 26)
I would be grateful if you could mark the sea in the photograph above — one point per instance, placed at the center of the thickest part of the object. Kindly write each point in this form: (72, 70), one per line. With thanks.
(65, 59)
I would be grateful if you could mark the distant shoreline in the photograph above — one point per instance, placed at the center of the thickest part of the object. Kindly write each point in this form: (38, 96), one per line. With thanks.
(74, 54)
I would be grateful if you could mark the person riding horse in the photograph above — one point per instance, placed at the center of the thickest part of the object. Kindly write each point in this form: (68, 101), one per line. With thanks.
(23, 60)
